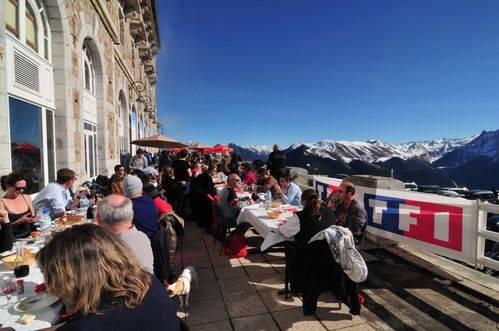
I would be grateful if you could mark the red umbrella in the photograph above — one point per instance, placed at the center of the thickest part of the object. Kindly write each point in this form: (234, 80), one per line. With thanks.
(221, 149)
(175, 150)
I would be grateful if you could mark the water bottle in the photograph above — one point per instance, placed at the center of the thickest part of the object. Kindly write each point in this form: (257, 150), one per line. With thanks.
(84, 204)
(268, 199)
(45, 220)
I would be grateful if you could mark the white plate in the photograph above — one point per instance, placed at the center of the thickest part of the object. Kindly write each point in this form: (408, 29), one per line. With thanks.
(34, 303)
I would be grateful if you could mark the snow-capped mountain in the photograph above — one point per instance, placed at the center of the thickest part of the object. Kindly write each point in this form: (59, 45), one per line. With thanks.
(472, 161)
(367, 151)
(485, 146)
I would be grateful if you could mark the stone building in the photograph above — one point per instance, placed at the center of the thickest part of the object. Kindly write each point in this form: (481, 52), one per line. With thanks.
(77, 84)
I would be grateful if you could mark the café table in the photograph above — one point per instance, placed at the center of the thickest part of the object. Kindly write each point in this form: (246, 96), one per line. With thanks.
(256, 215)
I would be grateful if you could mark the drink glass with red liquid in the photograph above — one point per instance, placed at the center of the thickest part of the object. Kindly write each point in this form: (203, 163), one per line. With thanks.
(8, 286)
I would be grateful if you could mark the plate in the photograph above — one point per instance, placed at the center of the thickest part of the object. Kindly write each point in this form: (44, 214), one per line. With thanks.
(35, 303)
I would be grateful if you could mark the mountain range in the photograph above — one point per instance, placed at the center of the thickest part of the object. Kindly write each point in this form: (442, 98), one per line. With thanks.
(471, 161)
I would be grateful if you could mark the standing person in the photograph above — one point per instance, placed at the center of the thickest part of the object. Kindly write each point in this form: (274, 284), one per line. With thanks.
(115, 215)
(18, 205)
(349, 212)
(109, 290)
(276, 162)
(56, 196)
(139, 161)
(182, 174)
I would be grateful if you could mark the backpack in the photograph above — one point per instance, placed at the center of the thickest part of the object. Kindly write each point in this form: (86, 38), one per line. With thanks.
(235, 246)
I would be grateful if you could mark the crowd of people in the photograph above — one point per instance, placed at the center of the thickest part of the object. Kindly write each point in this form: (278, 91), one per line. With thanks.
(118, 278)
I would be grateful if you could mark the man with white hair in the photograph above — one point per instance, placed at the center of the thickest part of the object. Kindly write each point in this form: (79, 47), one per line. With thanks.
(115, 215)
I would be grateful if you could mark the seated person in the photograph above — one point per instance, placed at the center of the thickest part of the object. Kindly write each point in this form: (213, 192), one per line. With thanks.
(350, 213)
(162, 206)
(267, 182)
(6, 233)
(56, 196)
(231, 205)
(151, 171)
(119, 172)
(145, 213)
(115, 215)
(290, 193)
(109, 290)
(18, 205)
(311, 220)
(248, 177)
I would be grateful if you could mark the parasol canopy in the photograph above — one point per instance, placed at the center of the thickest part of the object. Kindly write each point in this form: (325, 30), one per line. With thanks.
(198, 146)
(159, 141)
(220, 149)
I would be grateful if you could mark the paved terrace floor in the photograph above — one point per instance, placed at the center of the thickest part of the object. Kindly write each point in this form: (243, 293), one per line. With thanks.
(241, 294)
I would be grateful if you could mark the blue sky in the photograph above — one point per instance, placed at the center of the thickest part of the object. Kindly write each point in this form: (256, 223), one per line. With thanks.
(282, 71)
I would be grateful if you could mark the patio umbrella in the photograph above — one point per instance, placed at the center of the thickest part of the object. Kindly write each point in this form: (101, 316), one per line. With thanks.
(198, 146)
(220, 149)
(159, 141)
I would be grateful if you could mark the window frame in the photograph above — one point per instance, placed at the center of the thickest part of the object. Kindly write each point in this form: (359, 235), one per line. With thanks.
(13, 30)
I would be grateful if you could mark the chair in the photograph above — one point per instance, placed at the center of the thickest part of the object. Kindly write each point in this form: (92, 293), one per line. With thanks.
(214, 228)
(160, 250)
(311, 270)
(225, 225)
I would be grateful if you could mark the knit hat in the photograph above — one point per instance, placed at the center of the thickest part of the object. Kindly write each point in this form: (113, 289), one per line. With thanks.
(132, 185)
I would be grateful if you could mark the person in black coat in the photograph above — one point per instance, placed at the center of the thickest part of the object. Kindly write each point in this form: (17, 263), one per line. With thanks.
(276, 162)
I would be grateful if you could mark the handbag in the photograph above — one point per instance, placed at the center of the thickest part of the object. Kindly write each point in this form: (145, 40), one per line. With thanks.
(235, 246)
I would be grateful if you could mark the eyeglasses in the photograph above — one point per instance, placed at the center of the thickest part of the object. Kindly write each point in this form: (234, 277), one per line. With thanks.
(19, 188)
(340, 191)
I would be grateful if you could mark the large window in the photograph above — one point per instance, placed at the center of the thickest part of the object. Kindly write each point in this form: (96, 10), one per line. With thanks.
(32, 143)
(27, 21)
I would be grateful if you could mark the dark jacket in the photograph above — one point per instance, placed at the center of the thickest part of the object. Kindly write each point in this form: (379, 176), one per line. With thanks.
(310, 224)
(353, 217)
(155, 312)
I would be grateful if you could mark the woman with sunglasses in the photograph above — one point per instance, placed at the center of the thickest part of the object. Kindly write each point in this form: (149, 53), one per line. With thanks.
(18, 205)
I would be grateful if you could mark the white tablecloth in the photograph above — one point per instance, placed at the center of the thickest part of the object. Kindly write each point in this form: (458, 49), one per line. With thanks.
(44, 317)
(256, 215)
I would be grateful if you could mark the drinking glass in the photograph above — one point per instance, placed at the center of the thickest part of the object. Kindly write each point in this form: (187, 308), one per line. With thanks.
(8, 286)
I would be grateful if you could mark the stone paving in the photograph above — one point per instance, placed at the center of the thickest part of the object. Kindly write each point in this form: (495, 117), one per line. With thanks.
(241, 294)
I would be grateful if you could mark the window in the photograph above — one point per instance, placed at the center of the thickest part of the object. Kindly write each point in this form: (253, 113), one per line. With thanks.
(90, 133)
(11, 16)
(89, 70)
(27, 21)
(32, 143)
(31, 28)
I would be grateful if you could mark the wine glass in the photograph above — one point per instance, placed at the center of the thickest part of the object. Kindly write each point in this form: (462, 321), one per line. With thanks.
(8, 286)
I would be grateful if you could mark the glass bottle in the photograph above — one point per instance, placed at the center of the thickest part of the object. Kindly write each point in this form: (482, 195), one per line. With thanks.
(21, 265)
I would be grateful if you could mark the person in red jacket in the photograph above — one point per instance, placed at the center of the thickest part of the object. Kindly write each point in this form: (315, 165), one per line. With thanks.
(161, 205)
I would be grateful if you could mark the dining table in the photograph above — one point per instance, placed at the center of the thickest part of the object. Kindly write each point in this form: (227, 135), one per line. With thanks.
(10, 315)
(257, 216)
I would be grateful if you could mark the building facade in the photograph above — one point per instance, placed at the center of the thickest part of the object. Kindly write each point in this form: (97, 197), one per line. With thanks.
(77, 84)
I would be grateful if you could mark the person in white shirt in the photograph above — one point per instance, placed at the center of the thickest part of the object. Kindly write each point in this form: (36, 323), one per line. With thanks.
(115, 215)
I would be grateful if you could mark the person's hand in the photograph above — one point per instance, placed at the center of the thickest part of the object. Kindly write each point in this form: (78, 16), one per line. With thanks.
(25, 219)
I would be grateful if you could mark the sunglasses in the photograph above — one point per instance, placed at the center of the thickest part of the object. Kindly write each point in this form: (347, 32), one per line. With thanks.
(19, 188)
